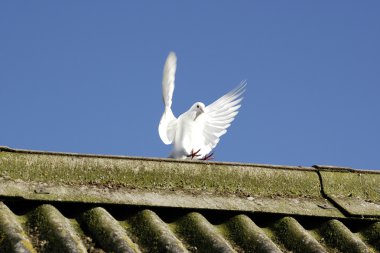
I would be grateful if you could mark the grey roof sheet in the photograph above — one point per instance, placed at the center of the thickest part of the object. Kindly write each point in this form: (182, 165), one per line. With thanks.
(53, 202)
(34, 227)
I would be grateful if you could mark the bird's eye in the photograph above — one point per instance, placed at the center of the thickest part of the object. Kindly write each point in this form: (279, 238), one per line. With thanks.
(197, 106)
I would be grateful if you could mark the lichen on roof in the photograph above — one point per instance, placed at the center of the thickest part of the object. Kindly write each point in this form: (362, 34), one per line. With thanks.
(188, 184)
(51, 202)
(159, 174)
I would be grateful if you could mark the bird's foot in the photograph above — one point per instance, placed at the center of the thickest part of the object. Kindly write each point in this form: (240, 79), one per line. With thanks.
(208, 157)
(194, 154)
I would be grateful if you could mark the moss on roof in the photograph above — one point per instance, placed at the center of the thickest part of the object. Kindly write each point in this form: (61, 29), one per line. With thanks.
(57, 227)
(188, 184)
(358, 192)
(241, 179)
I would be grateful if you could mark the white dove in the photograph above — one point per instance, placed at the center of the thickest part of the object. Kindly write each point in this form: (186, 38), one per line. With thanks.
(197, 131)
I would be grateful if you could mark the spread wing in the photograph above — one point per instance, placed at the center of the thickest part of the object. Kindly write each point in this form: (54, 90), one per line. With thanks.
(219, 115)
(168, 122)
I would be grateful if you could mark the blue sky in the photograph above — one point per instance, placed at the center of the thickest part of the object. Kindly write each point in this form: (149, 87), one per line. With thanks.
(85, 76)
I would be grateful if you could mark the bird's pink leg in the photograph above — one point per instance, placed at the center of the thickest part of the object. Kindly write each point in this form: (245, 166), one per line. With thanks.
(208, 157)
(194, 154)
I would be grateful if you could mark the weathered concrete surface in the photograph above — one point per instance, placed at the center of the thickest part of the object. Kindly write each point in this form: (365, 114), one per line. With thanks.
(357, 192)
(187, 184)
(85, 203)
(12, 235)
(158, 174)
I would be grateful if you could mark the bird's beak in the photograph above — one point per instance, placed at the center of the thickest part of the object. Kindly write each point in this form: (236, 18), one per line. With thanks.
(199, 113)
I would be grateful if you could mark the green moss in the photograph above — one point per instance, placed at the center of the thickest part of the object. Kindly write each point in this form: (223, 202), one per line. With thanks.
(244, 232)
(338, 236)
(12, 232)
(196, 177)
(27, 245)
(150, 231)
(53, 232)
(371, 234)
(291, 234)
(107, 231)
(196, 230)
(352, 185)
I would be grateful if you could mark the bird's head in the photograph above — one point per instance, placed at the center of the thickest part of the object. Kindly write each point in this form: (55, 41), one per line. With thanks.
(198, 108)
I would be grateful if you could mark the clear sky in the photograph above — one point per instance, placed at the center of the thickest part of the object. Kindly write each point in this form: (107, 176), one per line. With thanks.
(85, 76)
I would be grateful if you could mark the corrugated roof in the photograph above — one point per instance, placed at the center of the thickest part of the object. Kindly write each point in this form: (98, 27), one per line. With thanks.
(72, 228)
(55, 202)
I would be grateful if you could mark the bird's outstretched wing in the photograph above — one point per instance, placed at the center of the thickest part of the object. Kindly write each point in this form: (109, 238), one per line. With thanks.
(219, 115)
(168, 79)
(168, 122)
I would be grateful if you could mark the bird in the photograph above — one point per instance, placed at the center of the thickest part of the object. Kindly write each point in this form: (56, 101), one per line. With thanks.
(196, 132)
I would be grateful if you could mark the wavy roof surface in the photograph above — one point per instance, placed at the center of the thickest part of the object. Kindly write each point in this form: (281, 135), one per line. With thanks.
(59, 202)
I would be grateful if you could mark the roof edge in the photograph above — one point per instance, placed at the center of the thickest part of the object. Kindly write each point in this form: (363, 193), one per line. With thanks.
(41, 152)
(30, 174)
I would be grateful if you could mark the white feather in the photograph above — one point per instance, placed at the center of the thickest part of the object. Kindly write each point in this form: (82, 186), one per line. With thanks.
(167, 126)
(201, 127)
